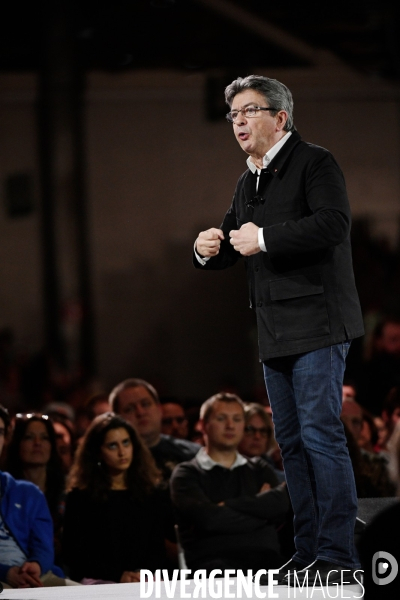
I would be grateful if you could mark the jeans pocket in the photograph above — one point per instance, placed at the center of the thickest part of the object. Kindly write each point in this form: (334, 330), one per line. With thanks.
(345, 348)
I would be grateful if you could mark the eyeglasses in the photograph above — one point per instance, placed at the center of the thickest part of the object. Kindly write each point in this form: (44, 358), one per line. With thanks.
(263, 431)
(248, 111)
(170, 420)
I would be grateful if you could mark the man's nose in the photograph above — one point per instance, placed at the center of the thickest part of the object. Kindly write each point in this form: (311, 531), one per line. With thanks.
(240, 119)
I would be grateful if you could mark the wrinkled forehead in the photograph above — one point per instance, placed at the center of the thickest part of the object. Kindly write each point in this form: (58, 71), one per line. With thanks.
(247, 97)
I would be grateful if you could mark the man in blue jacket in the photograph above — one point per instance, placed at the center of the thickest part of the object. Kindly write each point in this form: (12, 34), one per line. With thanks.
(26, 530)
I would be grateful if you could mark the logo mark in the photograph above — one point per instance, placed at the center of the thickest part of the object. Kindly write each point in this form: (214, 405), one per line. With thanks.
(384, 568)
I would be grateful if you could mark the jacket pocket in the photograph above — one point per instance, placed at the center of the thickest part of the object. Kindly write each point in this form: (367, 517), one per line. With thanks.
(299, 307)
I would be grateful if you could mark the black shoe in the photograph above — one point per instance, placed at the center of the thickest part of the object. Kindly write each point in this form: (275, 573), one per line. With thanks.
(291, 565)
(322, 573)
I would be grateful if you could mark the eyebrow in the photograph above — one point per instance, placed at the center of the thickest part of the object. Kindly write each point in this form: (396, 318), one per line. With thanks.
(224, 414)
(244, 105)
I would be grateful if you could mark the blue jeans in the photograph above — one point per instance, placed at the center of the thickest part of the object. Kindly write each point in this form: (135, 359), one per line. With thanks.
(305, 392)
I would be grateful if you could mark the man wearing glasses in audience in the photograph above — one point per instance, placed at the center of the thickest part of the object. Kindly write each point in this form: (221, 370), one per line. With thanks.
(259, 440)
(174, 421)
(290, 219)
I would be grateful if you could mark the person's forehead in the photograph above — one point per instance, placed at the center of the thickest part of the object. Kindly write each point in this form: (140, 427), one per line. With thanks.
(120, 433)
(36, 426)
(135, 395)
(171, 409)
(348, 391)
(247, 97)
(226, 408)
(257, 421)
(351, 408)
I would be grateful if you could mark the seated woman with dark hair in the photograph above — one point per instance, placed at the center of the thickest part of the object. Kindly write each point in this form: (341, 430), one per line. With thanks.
(113, 519)
(32, 455)
(26, 531)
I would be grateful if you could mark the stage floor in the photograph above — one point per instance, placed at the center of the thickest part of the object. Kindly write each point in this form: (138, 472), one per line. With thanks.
(132, 591)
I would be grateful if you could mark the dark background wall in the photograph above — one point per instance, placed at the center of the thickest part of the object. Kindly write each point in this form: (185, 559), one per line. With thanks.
(159, 171)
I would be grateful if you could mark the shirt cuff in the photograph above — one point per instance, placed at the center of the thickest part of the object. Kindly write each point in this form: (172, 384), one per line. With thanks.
(261, 239)
(201, 259)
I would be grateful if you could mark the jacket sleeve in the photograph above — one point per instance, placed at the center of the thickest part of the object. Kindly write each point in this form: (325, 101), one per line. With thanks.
(265, 505)
(40, 544)
(330, 220)
(227, 255)
(193, 504)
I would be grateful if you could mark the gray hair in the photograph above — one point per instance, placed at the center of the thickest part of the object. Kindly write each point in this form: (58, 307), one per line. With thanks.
(275, 93)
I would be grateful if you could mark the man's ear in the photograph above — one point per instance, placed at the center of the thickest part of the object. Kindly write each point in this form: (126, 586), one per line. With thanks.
(281, 118)
(203, 426)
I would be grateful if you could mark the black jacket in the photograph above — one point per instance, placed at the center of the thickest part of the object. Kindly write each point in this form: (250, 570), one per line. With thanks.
(302, 288)
(101, 540)
(247, 519)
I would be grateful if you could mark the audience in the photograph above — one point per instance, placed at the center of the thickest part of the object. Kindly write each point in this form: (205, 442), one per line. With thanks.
(174, 421)
(382, 433)
(391, 412)
(137, 401)
(64, 441)
(370, 468)
(26, 531)
(258, 438)
(114, 522)
(352, 417)
(382, 536)
(382, 371)
(368, 437)
(32, 455)
(227, 506)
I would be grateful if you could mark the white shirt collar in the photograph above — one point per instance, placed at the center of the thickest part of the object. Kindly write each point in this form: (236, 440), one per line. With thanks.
(272, 152)
(207, 463)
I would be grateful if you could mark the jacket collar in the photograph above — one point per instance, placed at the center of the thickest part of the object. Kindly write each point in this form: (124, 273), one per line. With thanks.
(274, 167)
(207, 463)
(277, 163)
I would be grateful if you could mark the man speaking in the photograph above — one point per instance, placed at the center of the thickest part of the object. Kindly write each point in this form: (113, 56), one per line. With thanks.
(290, 219)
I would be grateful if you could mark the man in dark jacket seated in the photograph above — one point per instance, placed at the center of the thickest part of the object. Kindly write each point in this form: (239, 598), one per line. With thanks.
(227, 506)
